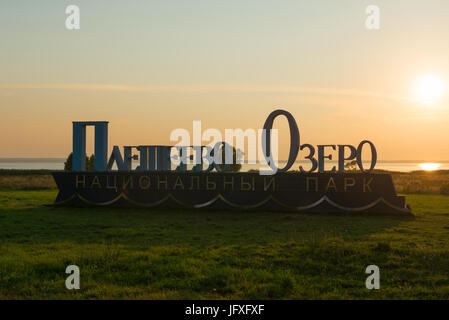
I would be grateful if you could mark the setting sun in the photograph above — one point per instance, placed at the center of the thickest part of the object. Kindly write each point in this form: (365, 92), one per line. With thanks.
(429, 89)
(429, 166)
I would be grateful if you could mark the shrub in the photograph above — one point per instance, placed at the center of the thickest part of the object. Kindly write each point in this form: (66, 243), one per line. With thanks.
(444, 189)
(89, 163)
(351, 166)
(234, 167)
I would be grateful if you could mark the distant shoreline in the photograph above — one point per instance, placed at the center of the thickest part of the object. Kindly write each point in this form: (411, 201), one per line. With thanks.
(58, 160)
(26, 160)
(56, 164)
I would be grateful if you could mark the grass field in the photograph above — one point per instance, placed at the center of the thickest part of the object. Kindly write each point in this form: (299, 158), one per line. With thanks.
(171, 254)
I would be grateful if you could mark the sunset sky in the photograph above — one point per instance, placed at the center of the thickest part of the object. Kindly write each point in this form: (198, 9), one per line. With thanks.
(149, 67)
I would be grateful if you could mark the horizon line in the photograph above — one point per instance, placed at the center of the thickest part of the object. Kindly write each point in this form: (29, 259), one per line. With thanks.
(34, 159)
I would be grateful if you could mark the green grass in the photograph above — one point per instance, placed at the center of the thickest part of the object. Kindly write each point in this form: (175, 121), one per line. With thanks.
(171, 254)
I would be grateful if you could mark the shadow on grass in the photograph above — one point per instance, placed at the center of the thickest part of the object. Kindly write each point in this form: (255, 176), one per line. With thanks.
(144, 227)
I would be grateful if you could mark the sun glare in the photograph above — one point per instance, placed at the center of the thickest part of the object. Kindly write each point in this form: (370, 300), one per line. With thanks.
(428, 166)
(429, 89)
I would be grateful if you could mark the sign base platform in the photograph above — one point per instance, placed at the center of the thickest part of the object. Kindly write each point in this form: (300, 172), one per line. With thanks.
(291, 191)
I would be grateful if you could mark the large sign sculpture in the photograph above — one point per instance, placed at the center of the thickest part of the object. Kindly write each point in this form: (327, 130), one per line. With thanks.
(156, 182)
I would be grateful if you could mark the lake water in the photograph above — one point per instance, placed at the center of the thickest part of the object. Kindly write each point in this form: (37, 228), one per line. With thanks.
(58, 164)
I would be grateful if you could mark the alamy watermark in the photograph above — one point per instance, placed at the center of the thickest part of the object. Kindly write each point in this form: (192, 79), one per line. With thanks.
(373, 281)
(73, 280)
(211, 149)
(372, 21)
(72, 21)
